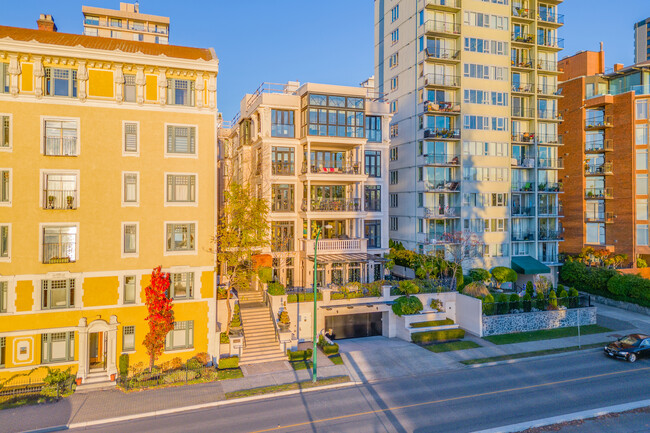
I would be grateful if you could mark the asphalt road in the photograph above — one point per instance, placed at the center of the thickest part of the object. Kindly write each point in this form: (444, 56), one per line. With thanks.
(463, 400)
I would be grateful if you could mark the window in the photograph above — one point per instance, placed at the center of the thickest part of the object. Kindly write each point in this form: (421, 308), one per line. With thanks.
(394, 14)
(3, 297)
(5, 187)
(485, 20)
(394, 177)
(641, 184)
(130, 137)
(59, 244)
(642, 234)
(394, 224)
(373, 163)
(138, 37)
(181, 337)
(180, 92)
(181, 139)
(393, 60)
(642, 109)
(373, 128)
(129, 88)
(595, 233)
(283, 161)
(60, 82)
(394, 36)
(642, 159)
(282, 198)
(394, 154)
(641, 134)
(181, 285)
(642, 209)
(282, 123)
(373, 233)
(130, 193)
(129, 289)
(128, 339)
(394, 130)
(4, 78)
(130, 239)
(373, 198)
(61, 137)
(344, 118)
(487, 46)
(57, 347)
(394, 83)
(495, 73)
(115, 22)
(393, 106)
(180, 236)
(480, 148)
(181, 188)
(282, 236)
(57, 294)
(394, 200)
(4, 132)
(3, 355)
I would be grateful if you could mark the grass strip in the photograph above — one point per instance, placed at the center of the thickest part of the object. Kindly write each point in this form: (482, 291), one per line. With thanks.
(286, 387)
(336, 359)
(531, 354)
(230, 373)
(432, 323)
(451, 346)
(546, 334)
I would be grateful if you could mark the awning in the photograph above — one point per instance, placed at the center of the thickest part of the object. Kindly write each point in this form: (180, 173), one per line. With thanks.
(529, 265)
(346, 258)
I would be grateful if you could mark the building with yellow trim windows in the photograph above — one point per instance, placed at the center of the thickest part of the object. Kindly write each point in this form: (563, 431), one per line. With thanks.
(107, 169)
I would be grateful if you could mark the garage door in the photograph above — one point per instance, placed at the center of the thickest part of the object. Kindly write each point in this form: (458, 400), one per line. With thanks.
(354, 325)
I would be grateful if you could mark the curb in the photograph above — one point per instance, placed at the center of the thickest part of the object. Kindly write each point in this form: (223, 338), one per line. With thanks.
(531, 358)
(193, 407)
(586, 414)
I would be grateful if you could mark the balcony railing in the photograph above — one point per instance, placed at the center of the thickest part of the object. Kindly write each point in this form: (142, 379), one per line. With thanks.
(549, 139)
(441, 212)
(445, 3)
(597, 193)
(59, 199)
(63, 252)
(549, 115)
(551, 18)
(336, 245)
(523, 88)
(549, 258)
(551, 42)
(523, 211)
(333, 205)
(439, 239)
(593, 169)
(453, 133)
(443, 53)
(441, 107)
(523, 186)
(442, 186)
(282, 168)
(61, 146)
(441, 159)
(527, 64)
(547, 65)
(598, 146)
(354, 168)
(550, 235)
(523, 13)
(441, 80)
(551, 187)
(524, 162)
(598, 123)
(523, 137)
(282, 245)
(435, 26)
(550, 163)
(525, 38)
(523, 236)
(91, 22)
(552, 211)
(606, 217)
(523, 112)
(549, 89)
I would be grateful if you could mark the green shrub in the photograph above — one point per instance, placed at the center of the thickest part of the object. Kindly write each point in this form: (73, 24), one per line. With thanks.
(303, 297)
(514, 302)
(573, 298)
(432, 323)
(436, 304)
(407, 288)
(540, 302)
(552, 300)
(235, 322)
(299, 355)
(560, 287)
(640, 263)
(224, 339)
(275, 289)
(589, 279)
(435, 336)
(229, 362)
(265, 274)
(124, 364)
(529, 288)
(194, 364)
(330, 349)
(563, 297)
(504, 275)
(179, 376)
(56, 377)
(488, 305)
(527, 303)
(203, 358)
(478, 274)
(405, 305)
(502, 304)
(337, 295)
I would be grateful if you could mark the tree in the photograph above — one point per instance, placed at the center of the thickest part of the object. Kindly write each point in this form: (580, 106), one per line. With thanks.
(478, 274)
(459, 247)
(242, 231)
(160, 314)
(408, 288)
(504, 274)
(542, 283)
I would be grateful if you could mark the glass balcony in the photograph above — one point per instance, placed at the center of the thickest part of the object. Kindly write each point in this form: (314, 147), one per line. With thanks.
(598, 123)
(523, 162)
(523, 211)
(444, 4)
(523, 137)
(549, 115)
(552, 211)
(332, 205)
(527, 113)
(599, 217)
(522, 88)
(451, 134)
(444, 27)
(550, 235)
(557, 43)
(442, 80)
(598, 169)
(523, 187)
(523, 236)
(518, 12)
(549, 139)
(523, 38)
(441, 212)
(550, 163)
(599, 193)
(550, 18)
(549, 90)
(442, 159)
(547, 65)
(443, 54)
(550, 187)
(332, 168)
(442, 186)
(441, 107)
(521, 63)
(282, 168)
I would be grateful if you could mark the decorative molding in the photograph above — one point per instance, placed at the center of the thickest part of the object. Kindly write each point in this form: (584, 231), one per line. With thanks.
(15, 71)
(118, 79)
(82, 80)
(140, 81)
(162, 86)
(212, 89)
(199, 87)
(39, 73)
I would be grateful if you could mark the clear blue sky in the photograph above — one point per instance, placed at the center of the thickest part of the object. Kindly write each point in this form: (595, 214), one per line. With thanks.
(320, 41)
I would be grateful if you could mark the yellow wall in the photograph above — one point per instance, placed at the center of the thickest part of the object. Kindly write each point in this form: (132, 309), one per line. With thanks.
(100, 291)
(100, 83)
(151, 88)
(24, 296)
(27, 77)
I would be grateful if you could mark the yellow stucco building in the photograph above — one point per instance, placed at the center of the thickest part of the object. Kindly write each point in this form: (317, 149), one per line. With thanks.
(107, 170)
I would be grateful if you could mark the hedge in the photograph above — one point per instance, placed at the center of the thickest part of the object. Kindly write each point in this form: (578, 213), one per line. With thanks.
(275, 289)
(435, 336)
(407, 305)
(330, 349)
(231, 362)
(303, 297)
(299, 355)
(432, 323)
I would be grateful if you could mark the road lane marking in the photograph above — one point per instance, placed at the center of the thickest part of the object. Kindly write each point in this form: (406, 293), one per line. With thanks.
(425, 403)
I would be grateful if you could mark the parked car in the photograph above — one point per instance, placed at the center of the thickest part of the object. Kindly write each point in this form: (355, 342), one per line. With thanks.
(631, 347)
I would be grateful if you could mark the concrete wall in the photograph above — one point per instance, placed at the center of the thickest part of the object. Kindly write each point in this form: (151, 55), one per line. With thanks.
(509, 323)
(469, 314)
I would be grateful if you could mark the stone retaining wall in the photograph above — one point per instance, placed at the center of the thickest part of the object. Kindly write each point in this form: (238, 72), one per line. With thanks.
(534, 321)
(620, 304)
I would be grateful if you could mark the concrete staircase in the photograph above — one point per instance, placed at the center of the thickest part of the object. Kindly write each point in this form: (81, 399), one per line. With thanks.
(95, 381)
(259, 332)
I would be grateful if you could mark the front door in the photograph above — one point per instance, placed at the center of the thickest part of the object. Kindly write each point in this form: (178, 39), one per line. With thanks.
(305, 327)
(97, 344)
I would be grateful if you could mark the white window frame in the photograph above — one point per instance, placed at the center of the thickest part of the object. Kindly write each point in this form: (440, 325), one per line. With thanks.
(189, 324)
(60, 119)
(11, 187)
(135, 203)
(43, 185)
(194, 203)
(137, 138)
(194, 155)
(10, 147)
(124, 348)
(8, 258)
(41, 228)
(190, 290)
(193, 252)
(124, 254)
(136, 294)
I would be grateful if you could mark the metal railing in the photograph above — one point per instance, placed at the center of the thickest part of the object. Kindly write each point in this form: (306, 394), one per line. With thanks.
(345, 245)
(549, 139)
(523, 88)
(526, 38)
(599, 168)
(453, 133)
(551, 42)
(550, 163)
(442, 159)
(551, 187)
(523, 236)
(442, 186)
(441, 212)
(550, 235)
(443, 53)
(598, 123)
(18, 388)
(59, 199)
(523, 13)
(283, 168)
(526, 211)
(447, 3)
(61, 146)
(446, 238)
(158, 377)
(324, 168)
(550, 18)
(522, 112)
(601, 145)
(524, 162)
(549, 115)
(547, 65)
(523, 137)
(535, 304)
(549, 89)
(444, 80)
(607, 217)
(61, 252)
(528, 64)
(282, 244)
(332, 205)
(441, 107)
(550, 211)
(596, 193)
(523, 186)
(436, 26)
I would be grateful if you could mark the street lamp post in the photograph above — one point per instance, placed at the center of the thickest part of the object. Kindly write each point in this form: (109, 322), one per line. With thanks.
(315, 332)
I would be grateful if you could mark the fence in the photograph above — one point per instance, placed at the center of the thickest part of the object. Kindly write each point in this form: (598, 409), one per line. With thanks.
(535, 304)
(34, 388)
(184, 375)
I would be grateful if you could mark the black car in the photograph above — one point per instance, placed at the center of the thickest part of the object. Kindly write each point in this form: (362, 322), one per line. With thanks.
(631, 347)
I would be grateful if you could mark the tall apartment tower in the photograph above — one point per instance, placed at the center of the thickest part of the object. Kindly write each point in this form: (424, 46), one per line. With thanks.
(642, 41)
(605, 134)
(127, 23)
(472, 86)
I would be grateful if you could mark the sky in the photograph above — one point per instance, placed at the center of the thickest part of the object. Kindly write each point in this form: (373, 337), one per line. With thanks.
(314, 41)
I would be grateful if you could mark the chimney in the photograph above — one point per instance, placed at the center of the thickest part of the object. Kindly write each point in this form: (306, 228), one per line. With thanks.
(46, 23)
(601, 59)
(618, 67)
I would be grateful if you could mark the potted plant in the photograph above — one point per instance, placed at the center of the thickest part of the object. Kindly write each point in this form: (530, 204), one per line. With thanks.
(50, 201)
(78, 381)
(70, 200)
(284, 320)
(235, 323)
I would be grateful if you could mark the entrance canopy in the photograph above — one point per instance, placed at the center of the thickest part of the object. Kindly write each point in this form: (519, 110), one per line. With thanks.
(344, 258)
(529, 265)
